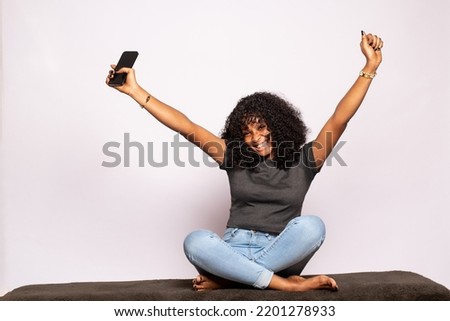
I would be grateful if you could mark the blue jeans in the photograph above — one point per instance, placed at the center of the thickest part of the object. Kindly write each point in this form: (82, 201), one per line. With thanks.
(252, 257)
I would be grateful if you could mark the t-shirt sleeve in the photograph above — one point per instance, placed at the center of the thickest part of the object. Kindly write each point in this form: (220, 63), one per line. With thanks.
(231, 148)
(226, 160)
(308, 161)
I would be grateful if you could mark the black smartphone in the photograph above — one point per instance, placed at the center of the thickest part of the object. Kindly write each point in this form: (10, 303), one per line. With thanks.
(126, 60)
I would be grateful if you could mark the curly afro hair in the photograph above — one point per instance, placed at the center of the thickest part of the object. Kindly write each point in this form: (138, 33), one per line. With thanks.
(284, 121)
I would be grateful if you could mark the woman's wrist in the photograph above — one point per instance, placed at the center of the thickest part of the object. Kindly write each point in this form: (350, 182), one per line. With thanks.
(369, 71)
(139, 95)
(370, 68)
(133, 91)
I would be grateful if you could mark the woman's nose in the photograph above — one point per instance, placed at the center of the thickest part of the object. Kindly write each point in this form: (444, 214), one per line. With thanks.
(255, 136)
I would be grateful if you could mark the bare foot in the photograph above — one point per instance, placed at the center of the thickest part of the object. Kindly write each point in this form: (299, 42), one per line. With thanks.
(300, 284)
(292, 283)
(210, 282)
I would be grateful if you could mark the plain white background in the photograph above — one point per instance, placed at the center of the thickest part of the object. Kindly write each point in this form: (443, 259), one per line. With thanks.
(66, 218)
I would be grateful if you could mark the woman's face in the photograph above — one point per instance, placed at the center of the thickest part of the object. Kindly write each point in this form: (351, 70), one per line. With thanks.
(257, 136)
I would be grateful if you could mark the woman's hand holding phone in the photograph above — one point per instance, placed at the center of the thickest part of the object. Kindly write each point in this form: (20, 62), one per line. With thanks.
(122, 76)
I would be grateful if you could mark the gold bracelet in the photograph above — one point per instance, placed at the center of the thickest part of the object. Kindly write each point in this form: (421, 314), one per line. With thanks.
(146, 101)
(367, 75)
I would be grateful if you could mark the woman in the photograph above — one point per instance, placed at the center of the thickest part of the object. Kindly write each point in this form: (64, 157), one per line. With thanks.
(267, 243)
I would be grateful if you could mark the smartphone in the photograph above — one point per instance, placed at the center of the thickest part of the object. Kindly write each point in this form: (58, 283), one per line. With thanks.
(126, 60)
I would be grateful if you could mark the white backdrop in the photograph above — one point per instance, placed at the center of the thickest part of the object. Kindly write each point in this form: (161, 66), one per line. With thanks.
(65, 217)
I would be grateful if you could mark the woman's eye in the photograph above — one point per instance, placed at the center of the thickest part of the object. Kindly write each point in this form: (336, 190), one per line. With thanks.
(245, 133)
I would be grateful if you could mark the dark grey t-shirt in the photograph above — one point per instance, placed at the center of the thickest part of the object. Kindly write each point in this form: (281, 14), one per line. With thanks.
(267, 198)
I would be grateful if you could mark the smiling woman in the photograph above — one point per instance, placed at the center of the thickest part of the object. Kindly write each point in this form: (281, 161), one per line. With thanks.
(257, 136)
(267, 242)
(60, 208)
(270, 126)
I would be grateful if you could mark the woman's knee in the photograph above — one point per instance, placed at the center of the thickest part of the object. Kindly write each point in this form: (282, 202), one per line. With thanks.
(311, 225)
(196, 241)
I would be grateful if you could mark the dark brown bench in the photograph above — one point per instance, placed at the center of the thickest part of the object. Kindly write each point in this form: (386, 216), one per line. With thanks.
(372, 286)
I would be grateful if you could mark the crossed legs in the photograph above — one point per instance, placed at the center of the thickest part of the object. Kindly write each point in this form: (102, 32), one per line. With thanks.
(261, 260)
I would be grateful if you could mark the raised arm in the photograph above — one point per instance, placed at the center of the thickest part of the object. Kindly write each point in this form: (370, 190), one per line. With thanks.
(332, 130)
(211, 144)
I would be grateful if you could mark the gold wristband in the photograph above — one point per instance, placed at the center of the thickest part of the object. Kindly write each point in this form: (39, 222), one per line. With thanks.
(367, 75)
(146, 101)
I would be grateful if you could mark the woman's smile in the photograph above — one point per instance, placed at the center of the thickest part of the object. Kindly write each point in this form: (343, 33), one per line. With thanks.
(257, 136)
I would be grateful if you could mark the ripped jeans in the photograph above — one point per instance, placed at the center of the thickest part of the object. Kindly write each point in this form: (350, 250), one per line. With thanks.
(251, 257)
